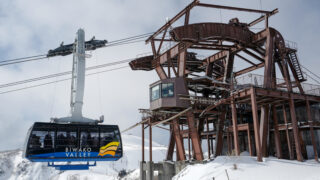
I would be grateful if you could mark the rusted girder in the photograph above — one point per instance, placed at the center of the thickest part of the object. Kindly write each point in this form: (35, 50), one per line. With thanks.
(174, 19)
(234, 8)
(202, 32)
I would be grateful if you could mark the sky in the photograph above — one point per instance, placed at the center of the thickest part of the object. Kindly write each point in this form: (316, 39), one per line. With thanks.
(33, 27)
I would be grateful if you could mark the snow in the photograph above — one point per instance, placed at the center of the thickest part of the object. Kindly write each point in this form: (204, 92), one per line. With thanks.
(247, 168)
(14, 167)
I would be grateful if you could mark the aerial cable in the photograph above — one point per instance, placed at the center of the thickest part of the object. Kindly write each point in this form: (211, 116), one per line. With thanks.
(21, 61)
(313, 79)
(9, 60)
(132, 38)
(310, 71)
(54, 91)
(118, 42)
(61, 80)
(63, 73)
(123, 43)
(98, 84)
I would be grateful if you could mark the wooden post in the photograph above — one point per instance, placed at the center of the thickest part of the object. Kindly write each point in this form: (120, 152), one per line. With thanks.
(256, 124)
(276, 133)
(235, 128)
(313, 139)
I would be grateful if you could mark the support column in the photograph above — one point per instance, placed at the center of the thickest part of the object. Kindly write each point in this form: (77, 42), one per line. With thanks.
(256, 124)
(313, 139)
(189, 146)
(196, 144)
(150, 170)
(276, 133)
(219, 135)
(150, 141)
(182, 63)
(295, 129)
(171, 145)
(179, 141)
(287, 132)
(268, 58)
(249, 142)
(229, 142)
(142, 125)
(235, 128)
(228, 67)
(208, 141)
(264, 129)
(142, 171)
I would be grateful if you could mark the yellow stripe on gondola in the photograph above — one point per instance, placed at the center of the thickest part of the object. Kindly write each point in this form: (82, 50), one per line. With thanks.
(114, 143)
(110, 149)
(112, 153)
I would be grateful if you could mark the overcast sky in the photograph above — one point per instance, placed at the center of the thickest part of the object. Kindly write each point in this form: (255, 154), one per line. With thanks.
(33, 27)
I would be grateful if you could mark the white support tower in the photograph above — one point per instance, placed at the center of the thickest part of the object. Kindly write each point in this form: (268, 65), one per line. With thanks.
(78, 75)
(78, 84)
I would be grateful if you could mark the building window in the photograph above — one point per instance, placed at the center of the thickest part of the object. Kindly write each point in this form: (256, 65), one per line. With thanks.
(167, 90)
(155, 92)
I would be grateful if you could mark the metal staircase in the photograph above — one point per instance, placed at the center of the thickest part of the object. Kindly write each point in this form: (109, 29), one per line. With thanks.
(292, 56)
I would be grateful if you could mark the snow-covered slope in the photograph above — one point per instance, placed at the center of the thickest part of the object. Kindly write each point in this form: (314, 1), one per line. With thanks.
(247, 168)
(13, 166)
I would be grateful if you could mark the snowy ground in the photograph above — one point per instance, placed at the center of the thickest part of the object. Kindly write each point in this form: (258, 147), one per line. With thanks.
(247, 168)
(14, 167)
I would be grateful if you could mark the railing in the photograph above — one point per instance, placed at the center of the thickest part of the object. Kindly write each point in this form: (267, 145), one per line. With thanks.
(257, 81)
(291, 44)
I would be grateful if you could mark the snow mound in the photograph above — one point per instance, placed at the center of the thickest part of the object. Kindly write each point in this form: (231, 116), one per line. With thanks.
(247, 168)
(14, 167)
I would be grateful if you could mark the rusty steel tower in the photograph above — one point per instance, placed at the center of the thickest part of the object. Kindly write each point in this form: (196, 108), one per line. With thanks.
(205, 100)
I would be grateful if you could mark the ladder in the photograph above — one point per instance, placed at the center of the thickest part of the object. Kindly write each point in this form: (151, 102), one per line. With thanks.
(292, 56)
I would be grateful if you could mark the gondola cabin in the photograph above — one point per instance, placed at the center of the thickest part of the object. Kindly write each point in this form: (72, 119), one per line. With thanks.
(53, 142)
(166, 94)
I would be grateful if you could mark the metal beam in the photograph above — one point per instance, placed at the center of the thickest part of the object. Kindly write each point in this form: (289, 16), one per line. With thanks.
(313, 139)
(171, 145)
(249, 142)
(295, 129)
(287, 132)
(233, 8)
(150, 141)
(174, 19)
(264, 129)
(253, 55)
(256, 124)
(273, 12)
(196, 144)
(219, 137)
(179, 140)
(235, 128)
(247, 60)
(276, 132)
